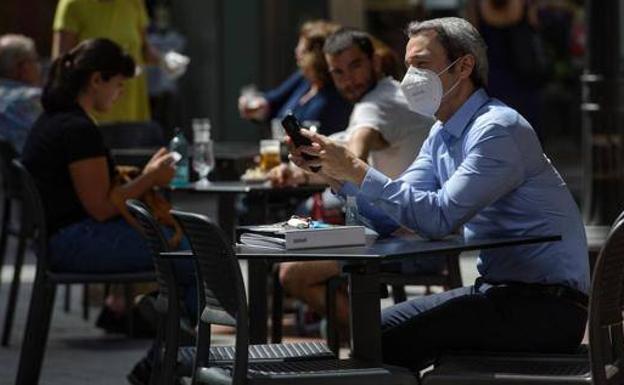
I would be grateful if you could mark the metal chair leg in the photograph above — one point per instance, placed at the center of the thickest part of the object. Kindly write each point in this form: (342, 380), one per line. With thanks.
(333, 333)
(398, 293)
(67, 305)
(454, 271)
(36, 332)
(86, 306)
(14, 291)
(157, 374)
(277, 308)
(4, 235)
(129, 302)
(172, 342)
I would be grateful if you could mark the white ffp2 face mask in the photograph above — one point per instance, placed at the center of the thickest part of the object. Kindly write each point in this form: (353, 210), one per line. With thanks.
(423, 89)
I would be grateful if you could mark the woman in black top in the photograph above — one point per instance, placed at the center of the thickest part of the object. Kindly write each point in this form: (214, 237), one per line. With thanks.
(73, 169)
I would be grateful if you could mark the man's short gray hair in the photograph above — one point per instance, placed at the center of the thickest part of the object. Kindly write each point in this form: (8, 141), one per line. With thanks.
(13, 50)
(458, 37)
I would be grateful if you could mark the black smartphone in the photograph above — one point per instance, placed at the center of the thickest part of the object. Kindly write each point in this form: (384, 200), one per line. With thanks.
(293, 129)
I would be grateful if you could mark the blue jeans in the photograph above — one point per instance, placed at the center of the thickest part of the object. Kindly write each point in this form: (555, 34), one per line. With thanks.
(482, 317)
(114, 247)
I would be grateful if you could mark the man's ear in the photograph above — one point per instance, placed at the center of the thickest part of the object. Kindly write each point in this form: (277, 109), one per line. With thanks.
(466, 65)
(21, 71)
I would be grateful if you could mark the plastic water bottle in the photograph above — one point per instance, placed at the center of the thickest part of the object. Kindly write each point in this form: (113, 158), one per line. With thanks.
(351, 212)
(180, 145)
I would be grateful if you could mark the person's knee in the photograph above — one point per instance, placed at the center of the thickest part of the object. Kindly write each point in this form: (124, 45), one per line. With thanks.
(291, 279)
(298, 277)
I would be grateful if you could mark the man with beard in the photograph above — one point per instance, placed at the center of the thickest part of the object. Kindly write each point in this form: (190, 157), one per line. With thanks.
(382, 131)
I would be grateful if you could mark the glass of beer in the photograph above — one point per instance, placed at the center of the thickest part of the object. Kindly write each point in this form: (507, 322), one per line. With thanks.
(269, 154)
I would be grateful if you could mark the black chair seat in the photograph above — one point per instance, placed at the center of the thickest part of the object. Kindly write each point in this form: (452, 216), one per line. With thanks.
(257, 353)
(572, 369)
(274, 352)
(310, 372)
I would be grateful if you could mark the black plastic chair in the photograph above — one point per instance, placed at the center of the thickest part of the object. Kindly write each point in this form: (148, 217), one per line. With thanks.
(46, 280)
(132, 134)
(12, 227)
(132, 143)
(168, 302)
(596, 237)
(169, 307)
(602, 365)
(10, 192)
(225, 303)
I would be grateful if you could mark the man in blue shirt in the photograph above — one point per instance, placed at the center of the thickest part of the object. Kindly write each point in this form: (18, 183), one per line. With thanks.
(482, 172)
(20, 93)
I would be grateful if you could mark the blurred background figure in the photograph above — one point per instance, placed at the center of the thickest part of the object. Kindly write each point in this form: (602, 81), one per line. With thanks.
(389, 62)
(124, 22)
(309, 93)
(518, 61)
(162, 86)
(20, 92)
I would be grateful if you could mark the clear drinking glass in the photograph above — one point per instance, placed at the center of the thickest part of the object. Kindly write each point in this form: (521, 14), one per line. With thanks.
(203, 161)
(251, 95)
(201, 130)
(269, 154)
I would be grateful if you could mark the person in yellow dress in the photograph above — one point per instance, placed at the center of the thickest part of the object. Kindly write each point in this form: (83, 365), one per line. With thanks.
(122, 21)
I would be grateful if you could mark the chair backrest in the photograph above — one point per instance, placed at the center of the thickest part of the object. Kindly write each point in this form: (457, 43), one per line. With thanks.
(10, 181)
(221, 281)
(132, 135)
(157, 242)
(618, 219)
(33, 215)
(606, 336)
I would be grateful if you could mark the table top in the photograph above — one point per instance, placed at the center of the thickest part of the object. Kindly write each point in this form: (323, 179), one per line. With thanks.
(385, 249)
(238, 187)
(222, 150)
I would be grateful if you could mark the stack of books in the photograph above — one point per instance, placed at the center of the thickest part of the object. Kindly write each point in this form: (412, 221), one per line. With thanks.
(280, 236)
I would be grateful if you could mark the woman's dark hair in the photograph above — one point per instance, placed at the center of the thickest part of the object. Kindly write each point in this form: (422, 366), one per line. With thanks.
(70, 73)
(314, 34)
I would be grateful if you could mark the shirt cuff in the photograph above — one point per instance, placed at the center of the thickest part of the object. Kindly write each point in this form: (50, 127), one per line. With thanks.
(373, 184)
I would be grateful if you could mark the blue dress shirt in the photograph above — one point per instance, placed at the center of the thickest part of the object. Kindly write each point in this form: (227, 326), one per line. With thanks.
(484, 172)
(326, 107)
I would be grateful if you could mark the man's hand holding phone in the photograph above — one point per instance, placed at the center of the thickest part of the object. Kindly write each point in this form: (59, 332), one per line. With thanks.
(335, 161)
(293, 129)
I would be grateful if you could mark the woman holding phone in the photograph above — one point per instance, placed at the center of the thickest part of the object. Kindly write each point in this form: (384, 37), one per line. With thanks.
(74, 171)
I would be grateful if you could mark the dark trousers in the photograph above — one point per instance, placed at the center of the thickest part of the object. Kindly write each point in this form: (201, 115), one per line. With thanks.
(482, 317)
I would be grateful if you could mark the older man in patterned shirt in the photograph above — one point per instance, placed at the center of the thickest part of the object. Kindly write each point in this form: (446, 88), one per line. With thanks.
(20, 76)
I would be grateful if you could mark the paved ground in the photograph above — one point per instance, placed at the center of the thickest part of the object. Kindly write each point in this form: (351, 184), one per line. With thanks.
(79, 353)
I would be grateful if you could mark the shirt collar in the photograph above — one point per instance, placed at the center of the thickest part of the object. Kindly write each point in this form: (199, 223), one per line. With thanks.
(460, 119)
